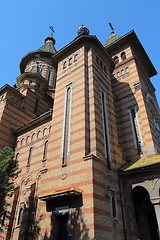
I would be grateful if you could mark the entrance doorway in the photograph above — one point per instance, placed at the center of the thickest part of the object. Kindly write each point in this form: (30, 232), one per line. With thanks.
(145, 215)
(60, 225)
(62, 221)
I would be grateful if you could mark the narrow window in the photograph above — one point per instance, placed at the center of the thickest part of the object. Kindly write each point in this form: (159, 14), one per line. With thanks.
(127, 70)
(70, 61)
(45, 150)
(20, 214)
(113, 204)
(22, 141)
(76, 58)
(116, 59)
(123, 55)
(137, 138)
(64, 64)
(27, 139)
(17, 157)
(29, 156)
(38, 134)
(33, 137)
(105, 126)
(44, 131)
(36, 105)
(49, 75)
(66, 126)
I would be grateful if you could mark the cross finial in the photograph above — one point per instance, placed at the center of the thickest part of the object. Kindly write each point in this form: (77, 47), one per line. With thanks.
(111, 28)
(52, 29)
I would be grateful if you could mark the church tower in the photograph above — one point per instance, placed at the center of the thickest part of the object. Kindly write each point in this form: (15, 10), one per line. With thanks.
(137, 110)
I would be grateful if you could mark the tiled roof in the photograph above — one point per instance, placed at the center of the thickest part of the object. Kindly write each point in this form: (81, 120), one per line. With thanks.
(141, 163)
(48, 47)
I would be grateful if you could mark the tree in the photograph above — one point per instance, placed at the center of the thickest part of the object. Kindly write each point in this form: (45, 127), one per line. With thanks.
(8, 172)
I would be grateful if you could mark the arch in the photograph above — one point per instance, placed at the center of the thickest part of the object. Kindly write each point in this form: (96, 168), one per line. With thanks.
(116, 59)
(39, 134)
(144, 214)
(44, 131)
(123, 55)
(33, 137)
(70, 61)
(22, 141)
(76, 58)
(64, 64)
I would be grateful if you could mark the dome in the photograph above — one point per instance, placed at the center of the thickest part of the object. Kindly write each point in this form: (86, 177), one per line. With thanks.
(113, 38)
(83, 30)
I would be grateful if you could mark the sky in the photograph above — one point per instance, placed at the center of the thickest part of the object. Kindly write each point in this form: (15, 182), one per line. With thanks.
(24, 24)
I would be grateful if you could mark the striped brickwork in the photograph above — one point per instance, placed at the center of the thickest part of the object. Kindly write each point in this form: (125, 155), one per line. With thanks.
(128, 85)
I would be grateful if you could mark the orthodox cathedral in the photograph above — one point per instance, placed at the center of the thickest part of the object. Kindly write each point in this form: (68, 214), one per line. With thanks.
(84, 123)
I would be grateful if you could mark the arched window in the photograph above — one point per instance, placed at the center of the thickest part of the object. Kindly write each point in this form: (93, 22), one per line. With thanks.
(17, 157)
(70, 61)
(127, 70)
(137, 138)
(105, 126)
(113, 204)
(44, 131)
(122, 71)
(22, 141)
(123, 55)
(76, 58)
(33, 137)
(66, 129)
(38, 134)
(49, 75)
(45, 150)
(27, 139)
(116, 59)
(50, 128)
(64, 64)
(118, 74)
(20, 214)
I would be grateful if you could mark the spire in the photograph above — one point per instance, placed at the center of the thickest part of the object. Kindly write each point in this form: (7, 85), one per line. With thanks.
(111, 29)
(112, 38)
(49, 43)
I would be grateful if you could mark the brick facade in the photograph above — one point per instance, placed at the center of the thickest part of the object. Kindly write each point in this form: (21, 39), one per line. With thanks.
(69, 186)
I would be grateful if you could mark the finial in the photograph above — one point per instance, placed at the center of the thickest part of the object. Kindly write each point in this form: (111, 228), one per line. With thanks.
(111, 29)
(52, 30)
(83, 30)
(50, 37)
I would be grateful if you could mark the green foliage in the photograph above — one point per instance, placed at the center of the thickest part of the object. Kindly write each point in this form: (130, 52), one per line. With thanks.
(8, 171)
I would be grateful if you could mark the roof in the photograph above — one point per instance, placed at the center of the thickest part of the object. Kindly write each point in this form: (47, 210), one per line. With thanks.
(7, 87)
(132, 38)
(142, 163)
(48, 46)
(37, 120)
(83, 39)
(47, 49)
(61, 193)
(111, 40)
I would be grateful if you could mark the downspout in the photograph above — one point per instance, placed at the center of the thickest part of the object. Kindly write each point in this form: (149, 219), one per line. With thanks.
(122, 210)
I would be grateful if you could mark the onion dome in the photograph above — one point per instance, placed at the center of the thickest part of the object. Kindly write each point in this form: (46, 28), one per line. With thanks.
(48, 45)
(113, 37)
(46, 50)
(83, 30)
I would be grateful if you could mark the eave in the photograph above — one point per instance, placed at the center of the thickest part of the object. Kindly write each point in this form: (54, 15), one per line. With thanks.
(89, 41)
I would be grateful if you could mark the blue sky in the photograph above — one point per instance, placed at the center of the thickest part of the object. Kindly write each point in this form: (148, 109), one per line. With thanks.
(24, 24)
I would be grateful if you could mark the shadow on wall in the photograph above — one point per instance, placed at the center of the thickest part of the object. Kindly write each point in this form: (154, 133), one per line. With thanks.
(71, 227)
(63, 227)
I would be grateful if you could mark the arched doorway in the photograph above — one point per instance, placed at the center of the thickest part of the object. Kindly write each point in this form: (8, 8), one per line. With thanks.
(145, 214)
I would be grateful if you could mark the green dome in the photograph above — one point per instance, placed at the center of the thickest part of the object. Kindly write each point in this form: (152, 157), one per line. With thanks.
(113, 38)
